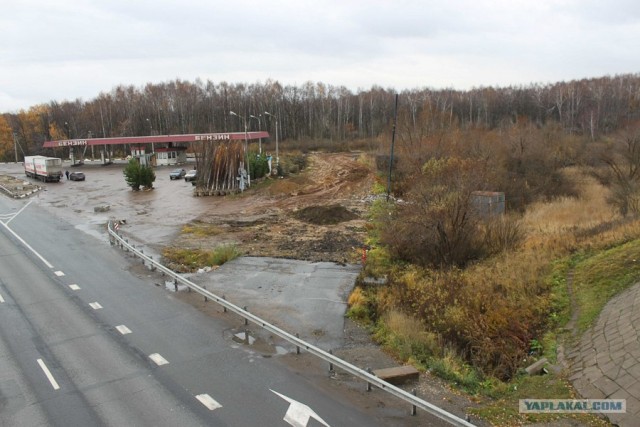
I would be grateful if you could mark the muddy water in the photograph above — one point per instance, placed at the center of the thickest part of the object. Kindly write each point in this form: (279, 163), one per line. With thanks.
(154, 217)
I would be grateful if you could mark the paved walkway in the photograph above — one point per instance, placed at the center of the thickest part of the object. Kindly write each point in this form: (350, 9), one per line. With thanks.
(606, 362)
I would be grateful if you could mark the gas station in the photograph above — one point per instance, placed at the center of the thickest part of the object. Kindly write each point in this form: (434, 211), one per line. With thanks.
(170, 150)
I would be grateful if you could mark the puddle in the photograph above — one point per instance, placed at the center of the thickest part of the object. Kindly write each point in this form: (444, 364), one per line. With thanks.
(244, 338)
(255, 345)
(170, 286)
(91, 230)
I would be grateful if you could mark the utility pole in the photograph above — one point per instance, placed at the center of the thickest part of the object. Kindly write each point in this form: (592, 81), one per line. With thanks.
(393, 140)
(15, 145)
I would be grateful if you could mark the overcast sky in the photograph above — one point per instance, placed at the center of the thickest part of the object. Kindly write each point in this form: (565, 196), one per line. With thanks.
(67, 49)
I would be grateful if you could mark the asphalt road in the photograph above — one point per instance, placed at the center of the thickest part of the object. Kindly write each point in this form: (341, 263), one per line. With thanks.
(85, 342)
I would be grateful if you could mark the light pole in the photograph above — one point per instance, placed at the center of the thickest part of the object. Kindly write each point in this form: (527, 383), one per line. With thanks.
(246, 144)
(259, 129)
(72, 157)
(153, 148)
(277, 157)
(89, 135)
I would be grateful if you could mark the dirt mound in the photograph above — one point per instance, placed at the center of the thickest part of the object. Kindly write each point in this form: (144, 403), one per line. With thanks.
(325, 215)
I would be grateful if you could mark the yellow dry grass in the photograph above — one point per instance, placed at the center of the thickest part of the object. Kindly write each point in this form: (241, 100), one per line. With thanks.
(357, 298)
(516, 279)
(553, 226)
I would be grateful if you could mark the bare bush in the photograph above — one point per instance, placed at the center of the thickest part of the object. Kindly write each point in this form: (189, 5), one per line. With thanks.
(437, 226)
(623, 159)
(502, 233)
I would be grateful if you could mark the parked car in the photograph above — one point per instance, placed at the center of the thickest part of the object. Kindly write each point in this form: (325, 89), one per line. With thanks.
(76, 176)
(177, 173)
(191, 175)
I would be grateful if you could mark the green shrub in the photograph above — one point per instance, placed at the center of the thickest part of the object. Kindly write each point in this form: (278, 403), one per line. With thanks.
(223, 254)
(258, 165)
(137, 175)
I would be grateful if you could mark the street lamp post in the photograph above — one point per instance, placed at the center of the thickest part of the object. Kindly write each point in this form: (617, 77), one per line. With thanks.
(89, 135)
(277, 157)
(259, 129)
(153, 148)
(246, 145)
(72, 156)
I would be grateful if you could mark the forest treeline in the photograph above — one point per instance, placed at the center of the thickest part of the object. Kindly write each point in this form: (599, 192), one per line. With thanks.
(317, 111)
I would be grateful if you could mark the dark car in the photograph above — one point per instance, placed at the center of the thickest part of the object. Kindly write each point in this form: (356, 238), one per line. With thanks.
(191, 175)
(76, 176)
(177, 173)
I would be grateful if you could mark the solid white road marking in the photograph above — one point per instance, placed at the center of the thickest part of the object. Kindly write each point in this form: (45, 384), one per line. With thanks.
(18, 213)
(158, 359)
(59, 273)
(208, 401)
(74, 287)
(52, 380)
(47, 263)
(298, 414)
(123, 329)
(1, 299)
(95, 305)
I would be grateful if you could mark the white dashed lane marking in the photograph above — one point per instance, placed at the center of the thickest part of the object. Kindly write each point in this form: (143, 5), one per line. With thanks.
(123, 329)
(46, 371)
(74, 287)
(159, 360)
(95, 305)
(59, 273)
(208, 401)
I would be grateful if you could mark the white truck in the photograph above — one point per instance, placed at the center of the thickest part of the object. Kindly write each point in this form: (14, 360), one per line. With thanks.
(43, 168)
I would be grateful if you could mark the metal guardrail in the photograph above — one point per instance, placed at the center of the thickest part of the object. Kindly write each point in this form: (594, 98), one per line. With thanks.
(299, 343)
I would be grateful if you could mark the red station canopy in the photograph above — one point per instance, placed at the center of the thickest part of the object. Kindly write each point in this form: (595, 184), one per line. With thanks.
(157, 139)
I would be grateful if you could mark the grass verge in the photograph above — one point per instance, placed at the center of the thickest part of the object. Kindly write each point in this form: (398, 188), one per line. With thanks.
(600, 276)
(188, 260)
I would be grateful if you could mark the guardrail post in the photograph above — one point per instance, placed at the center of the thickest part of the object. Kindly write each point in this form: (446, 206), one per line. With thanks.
(368, 383)
(297, 346)
(175, 284)
(246, 336)
(246, 321)
(331, 363)
(205, 297)
(413, 407)
(153, 267)
(224, 307)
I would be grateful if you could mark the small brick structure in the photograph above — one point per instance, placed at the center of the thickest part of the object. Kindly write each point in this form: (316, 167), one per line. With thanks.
(398, 374)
